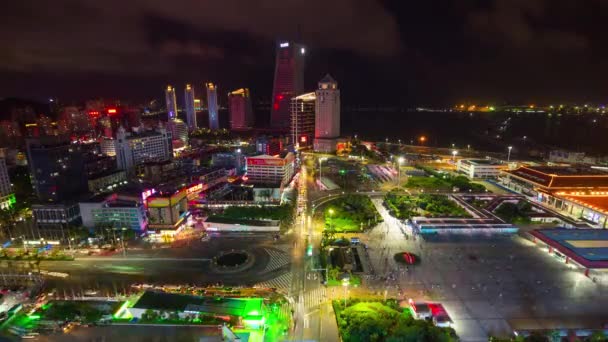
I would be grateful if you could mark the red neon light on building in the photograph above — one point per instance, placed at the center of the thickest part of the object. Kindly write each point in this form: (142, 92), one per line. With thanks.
(303, 139)
(112, 111)
(276, 106)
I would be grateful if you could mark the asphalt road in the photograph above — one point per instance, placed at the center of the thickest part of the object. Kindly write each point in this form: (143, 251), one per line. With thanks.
(186, 265)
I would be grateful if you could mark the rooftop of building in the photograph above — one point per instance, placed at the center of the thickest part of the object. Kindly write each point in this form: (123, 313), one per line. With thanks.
(562, 176)
(240, 307)
(483, 162)
(588, 247)
(121, 203)
(307, 97)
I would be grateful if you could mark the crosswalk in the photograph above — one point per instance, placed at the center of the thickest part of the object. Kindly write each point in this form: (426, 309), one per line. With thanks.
(314, 297)
(282, 282)
(278, 259)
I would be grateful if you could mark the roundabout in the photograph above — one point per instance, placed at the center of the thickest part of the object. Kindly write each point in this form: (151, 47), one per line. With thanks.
(232, 261)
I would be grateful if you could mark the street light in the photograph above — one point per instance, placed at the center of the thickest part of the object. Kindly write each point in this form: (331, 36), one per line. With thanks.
(345, 283)
(331, 216)
(454, 153)
(509, 154)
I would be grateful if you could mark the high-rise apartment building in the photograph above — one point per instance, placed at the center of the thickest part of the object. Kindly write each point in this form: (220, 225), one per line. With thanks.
(303, 119)
(171, 102)
(288, 81)
(327, 115)
(179, 130)
(7, 197)
(137, 148)
(57, 168)
(190, 106)
(214, 122)
(239, 106)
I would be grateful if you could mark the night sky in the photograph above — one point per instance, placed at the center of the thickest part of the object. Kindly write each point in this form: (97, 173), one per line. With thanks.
(381, 52)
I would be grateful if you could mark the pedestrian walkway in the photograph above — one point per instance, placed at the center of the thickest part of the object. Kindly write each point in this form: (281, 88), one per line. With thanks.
(314, 297)
(278, 259)
(282, 282)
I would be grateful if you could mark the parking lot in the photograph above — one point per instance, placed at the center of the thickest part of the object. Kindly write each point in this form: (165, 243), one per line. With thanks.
(489, 285)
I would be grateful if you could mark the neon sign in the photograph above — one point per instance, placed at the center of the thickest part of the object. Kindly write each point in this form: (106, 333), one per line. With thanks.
(195, 188)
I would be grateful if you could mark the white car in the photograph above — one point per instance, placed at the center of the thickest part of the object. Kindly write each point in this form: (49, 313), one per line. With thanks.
(442, 321)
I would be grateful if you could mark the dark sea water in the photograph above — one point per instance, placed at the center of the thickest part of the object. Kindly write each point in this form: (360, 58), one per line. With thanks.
(484, 131)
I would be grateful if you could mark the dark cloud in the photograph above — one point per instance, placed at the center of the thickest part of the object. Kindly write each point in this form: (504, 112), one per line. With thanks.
(115, 35)
(518, 24)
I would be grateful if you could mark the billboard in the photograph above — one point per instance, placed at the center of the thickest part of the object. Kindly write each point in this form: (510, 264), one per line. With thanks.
(265, 161)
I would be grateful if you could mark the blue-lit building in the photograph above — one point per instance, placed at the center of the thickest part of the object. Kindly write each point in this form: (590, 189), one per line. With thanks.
(212, 108)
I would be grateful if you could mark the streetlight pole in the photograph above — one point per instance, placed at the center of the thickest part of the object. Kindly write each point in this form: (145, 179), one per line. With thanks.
(454, 153)
(509, 154)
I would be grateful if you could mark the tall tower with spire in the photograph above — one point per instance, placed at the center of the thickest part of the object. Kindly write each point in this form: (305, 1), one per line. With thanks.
(327, 114)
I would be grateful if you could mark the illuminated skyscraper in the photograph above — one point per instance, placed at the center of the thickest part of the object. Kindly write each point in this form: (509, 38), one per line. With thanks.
(303, 119)
(327, 114)
(239, 105)
(288, 81)
(7, 197)
(190, 106)
(214, 122)
(171, 103)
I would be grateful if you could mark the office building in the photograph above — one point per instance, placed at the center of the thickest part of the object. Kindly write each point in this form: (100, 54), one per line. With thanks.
(239, 106)
(171, 102)
(265, 169)
(53, 219)
(327, 115)
(268, 145)
(168, 213)
(190, 105)
(480, 168)
(107, 146)
(7, 197)
(113, 212)
(212, 108)
(137, 148)
(288, 81)
(106, 181)
(303, 119)
(57, 168)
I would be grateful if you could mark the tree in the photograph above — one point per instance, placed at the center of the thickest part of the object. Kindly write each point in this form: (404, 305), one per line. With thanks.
(598, 336)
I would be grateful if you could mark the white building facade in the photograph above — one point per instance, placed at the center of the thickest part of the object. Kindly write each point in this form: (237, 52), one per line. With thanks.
(479, 168)
(132, 150)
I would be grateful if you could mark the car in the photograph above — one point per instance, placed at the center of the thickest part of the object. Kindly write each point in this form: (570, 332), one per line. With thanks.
(442, 321)
(420, 310)
(355, 241)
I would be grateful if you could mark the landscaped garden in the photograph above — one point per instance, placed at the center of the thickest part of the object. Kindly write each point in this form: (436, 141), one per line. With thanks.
(283, 213)
(351, 213)
(405, 206)
(377, 320)
(443, 182)
(517, 213)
